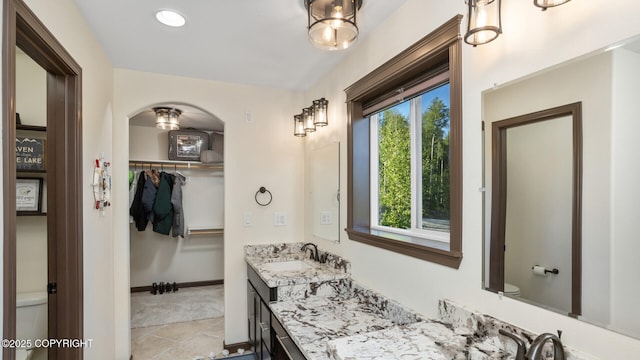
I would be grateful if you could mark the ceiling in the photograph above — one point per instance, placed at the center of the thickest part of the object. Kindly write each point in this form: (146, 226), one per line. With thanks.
(254, 42)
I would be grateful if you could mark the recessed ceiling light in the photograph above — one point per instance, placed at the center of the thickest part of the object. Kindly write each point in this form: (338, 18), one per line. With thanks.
(170, 18)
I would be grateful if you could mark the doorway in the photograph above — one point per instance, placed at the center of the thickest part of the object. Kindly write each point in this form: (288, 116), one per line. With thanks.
(177, 270)
(62, 171)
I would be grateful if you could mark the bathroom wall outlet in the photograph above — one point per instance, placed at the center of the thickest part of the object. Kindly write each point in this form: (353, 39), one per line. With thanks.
(248, 117)
(325, 218)
(279, 219)
(248, 219)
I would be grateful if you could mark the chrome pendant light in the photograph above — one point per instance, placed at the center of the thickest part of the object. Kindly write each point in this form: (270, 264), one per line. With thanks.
(484, 23)
(167, 118)
(332, 23)
(544, 4)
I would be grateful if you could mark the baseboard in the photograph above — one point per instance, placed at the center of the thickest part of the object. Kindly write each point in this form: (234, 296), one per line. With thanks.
(180, 285)
(233, 348)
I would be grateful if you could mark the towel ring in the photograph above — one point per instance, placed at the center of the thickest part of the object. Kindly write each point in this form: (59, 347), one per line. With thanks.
(263, 190)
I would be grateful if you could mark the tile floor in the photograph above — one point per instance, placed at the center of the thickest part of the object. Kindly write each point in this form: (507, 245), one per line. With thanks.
(185, 340)
(188, 324)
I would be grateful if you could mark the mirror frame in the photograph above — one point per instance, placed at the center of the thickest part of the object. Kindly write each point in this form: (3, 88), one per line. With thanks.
(499, 196)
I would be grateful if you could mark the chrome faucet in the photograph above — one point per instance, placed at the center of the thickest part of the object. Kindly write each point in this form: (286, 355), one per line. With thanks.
(314, 251)
(535, 351)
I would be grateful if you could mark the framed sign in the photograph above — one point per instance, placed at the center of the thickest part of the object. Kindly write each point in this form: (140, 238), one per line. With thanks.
(30, 154)
(187, 144)
(28, 195)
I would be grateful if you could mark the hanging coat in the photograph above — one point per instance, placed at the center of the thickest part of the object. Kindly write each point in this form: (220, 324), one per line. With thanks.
(162, 208)
(137, 209)
(148, 197)
(176, 201)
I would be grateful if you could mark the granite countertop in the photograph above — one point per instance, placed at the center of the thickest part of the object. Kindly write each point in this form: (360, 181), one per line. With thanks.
(335, 268)
(351, 322)
(314, 321)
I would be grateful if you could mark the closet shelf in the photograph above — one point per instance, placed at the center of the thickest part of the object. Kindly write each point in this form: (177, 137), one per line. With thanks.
(205, 231)
(176, 164)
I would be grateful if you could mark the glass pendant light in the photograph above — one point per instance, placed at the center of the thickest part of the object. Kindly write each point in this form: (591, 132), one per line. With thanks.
(298, 126)
(307, 118)
(167, 118)
(484, 23)
(320, 112)
(332, 23)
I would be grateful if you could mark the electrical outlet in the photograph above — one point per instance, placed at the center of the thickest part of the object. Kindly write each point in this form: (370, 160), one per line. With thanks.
(279, 219)
(325, 218)
(248, 219)
(248, 117)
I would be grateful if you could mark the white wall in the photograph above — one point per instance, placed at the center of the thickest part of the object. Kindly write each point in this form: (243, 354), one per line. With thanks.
(263, 152)
(625, 197)
(161, 258)
(64, 21)
(532, 40)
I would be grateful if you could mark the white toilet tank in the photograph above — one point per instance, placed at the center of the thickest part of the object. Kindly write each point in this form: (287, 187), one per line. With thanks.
(31, 315)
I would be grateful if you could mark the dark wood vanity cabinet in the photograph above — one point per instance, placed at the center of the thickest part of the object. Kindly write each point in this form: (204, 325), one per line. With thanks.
(259, 315)
(283, 346)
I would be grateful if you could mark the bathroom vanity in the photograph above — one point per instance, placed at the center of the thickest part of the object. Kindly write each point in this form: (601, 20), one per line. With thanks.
(303, 309)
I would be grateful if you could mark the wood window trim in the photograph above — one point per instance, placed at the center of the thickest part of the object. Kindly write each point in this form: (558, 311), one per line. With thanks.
(443, 44)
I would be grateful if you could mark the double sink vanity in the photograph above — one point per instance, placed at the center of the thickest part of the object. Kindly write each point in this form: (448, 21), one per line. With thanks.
(300, 308)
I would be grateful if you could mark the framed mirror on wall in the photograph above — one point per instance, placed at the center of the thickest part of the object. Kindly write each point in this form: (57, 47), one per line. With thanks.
(324, 178)
(584, 213)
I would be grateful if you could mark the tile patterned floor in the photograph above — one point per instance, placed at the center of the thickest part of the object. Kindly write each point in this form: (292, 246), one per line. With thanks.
(186, 340)
(188, 324)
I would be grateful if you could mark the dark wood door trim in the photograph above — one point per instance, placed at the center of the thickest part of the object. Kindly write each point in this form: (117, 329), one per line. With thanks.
(64, 216)
(499, 197)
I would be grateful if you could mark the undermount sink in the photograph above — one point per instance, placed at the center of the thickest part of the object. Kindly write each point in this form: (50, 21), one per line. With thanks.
(290, 265)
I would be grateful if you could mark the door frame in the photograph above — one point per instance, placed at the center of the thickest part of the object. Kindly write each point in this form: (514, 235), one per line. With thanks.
(64, 175)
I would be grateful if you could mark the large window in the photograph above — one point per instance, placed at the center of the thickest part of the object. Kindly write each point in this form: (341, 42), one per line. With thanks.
(410, 166)
(405, 151)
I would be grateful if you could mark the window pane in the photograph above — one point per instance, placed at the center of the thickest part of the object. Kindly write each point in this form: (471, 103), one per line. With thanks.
(434, 184)
(394, 167)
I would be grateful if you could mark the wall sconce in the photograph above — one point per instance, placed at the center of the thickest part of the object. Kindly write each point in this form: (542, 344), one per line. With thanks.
(311, 117)
(484, 23)
(544, 4)
(167, 118)
(332, 23)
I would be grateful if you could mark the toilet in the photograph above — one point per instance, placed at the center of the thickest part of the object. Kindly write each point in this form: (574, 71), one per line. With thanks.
(31, 320)
(511, 290)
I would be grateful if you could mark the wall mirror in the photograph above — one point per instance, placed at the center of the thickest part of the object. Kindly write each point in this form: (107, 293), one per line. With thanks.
(596, 280)
(324, 191)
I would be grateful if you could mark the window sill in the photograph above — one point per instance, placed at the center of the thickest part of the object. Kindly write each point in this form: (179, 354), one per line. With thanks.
(407, 245)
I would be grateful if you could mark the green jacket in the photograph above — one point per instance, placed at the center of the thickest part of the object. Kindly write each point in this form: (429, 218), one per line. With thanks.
(162, 207)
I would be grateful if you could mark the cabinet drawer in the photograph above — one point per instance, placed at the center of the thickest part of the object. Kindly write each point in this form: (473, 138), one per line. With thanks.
(265, 325)
(284, 347)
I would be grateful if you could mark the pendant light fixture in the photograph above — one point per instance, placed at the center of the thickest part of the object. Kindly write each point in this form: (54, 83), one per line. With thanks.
(544, 4)
(332, 23)
(320, 112)
(167, 118)
(483, 22)
(311, 117)
(298, 126)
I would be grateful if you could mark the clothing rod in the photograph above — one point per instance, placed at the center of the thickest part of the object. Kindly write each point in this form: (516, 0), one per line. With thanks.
(175, 165)
(205, 231)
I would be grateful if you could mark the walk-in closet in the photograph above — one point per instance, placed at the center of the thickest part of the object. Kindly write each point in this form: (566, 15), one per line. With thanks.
(176, 178)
